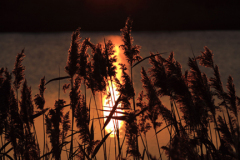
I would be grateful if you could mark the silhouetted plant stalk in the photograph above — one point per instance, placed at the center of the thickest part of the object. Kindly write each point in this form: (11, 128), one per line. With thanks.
(199, 105)
(8, 110)
(144, 126)
(40, 102)
(229, 100)
(71, 68)
(97, 77)
(153, 102)
(57, 136)
(131, 52)
(126, 91)
(18, 71)
(111, 73)
(27, 111)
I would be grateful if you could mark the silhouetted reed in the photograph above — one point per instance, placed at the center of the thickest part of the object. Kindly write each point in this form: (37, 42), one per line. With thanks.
(71, 68)
(57, 136)
(110, 59)
(40, 102)
(125, 88)
(132, 136)
(199, 108)
(73, 53)
(131, 51)
(83, 61)
(18, 70)
(143, 125)
(5, 91)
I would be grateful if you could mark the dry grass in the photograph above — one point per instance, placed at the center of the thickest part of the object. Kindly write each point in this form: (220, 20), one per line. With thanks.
(192, 121)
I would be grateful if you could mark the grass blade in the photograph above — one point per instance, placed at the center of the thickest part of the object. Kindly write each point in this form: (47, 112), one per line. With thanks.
(119, 112)
(92, 132)
(147, 58)
(39, 113)
(112, 112)
(5, 145)
(4, 154)
(164, 128)
(61, 145)
(85, 154)
(100, 144)
(56, 79)
(144, 151)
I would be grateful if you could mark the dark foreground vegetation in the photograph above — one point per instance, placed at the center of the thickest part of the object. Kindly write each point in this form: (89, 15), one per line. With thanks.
(202, 118)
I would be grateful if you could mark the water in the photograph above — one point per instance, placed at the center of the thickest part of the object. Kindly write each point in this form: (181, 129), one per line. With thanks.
(46, 55)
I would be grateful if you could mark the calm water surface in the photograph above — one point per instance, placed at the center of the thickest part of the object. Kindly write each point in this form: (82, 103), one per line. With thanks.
(46, 55)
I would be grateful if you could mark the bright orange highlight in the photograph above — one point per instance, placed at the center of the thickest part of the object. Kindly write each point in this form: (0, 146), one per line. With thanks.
(109, 103)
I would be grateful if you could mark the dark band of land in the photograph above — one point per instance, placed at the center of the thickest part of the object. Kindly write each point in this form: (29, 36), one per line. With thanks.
(110, 15)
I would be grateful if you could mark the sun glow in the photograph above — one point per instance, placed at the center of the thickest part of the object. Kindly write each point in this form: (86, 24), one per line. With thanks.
(109, 102)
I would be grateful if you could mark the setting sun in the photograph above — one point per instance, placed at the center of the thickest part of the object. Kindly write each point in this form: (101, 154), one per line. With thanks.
(108, 103)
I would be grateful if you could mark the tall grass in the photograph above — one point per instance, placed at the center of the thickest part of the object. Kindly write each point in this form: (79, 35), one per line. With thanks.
(199, 108)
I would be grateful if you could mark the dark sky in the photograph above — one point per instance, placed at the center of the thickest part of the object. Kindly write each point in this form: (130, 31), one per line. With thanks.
(110, 15)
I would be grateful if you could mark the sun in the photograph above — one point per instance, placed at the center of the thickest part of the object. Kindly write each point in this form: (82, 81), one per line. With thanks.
(108, 103)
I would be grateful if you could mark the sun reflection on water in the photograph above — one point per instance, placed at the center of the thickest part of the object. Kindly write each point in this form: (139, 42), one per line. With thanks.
(109, 102)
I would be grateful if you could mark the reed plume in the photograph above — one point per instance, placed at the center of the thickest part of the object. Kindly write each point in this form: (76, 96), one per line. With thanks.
(82, 120)
(206, 59)
(110, 59)
(40, 102)
(18, 70)
(178, 88)
(10, 118)
(5, 91)
(14, 129)
(54, 120)
(232, 100)
(201, 95)
(143, 125)
(26, 112)
(125, 88)
(152, 99)
(228, 140)
(131, 132)
(159, 75)
(83, 58)
(72, 68)
(26, 106)
(131, 52)
(181, 148)
(99, 72)
(203, 102)
(73, 54)
(39, 98)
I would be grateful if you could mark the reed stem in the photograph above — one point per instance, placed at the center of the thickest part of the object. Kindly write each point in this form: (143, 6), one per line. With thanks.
(2, 146)
(158, 144)
(145, 146)
(71, 145)
(105, 152)
(99, 125)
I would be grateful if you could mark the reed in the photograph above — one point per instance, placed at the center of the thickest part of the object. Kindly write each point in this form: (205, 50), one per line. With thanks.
(199, 107)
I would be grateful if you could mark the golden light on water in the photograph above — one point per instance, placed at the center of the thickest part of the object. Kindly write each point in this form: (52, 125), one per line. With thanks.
(109, 103)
